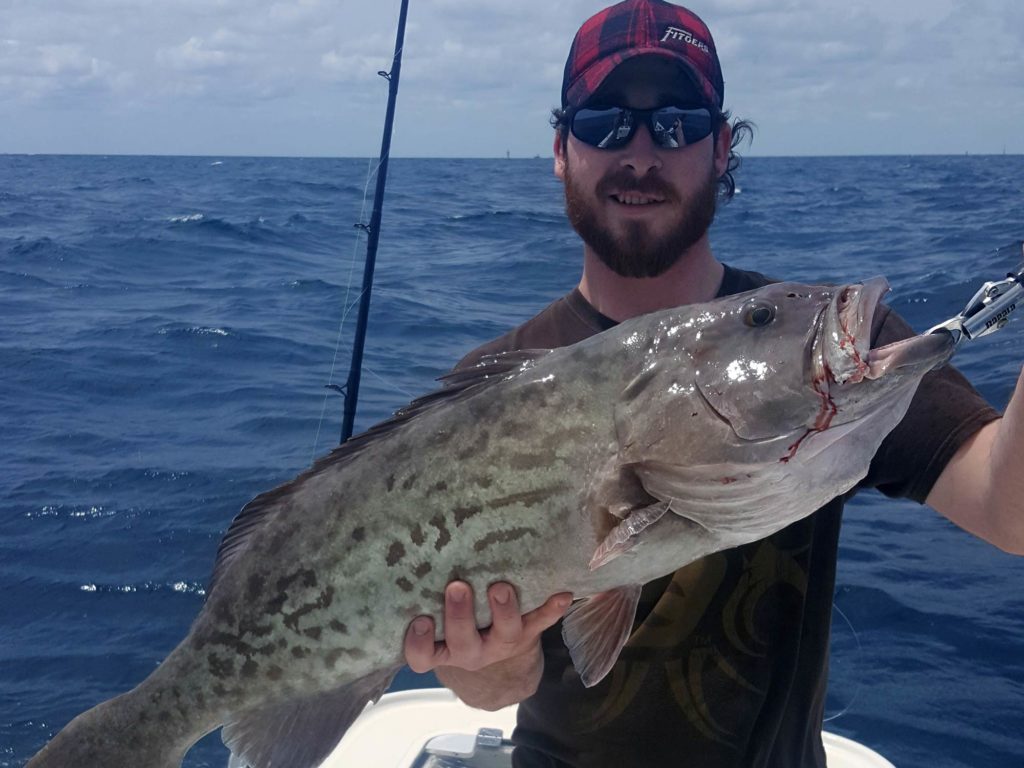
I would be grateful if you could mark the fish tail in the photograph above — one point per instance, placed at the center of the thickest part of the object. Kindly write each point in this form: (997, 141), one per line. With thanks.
(111, 735)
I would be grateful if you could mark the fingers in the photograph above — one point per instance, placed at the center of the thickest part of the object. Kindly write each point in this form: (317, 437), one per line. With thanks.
(460, 631)
(465, 646)
(422, 654)
(547, 615)
(506, 621)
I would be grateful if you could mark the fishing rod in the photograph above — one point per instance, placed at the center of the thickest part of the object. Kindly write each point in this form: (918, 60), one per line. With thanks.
(351, 388)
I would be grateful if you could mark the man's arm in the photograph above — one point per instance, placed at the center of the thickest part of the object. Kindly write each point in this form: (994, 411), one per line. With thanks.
(490, 668)
(982, 487)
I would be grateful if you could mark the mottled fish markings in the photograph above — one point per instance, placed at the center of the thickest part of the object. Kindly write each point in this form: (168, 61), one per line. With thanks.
(503, 537)
(395, 553)
(591, 469)
(462, 514)
(444, 536)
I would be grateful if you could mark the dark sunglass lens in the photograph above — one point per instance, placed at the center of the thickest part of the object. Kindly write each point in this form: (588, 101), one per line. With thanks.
(603, 128)
(676, 127)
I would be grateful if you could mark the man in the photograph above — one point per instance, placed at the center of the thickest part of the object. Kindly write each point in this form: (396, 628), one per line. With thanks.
(727, 663)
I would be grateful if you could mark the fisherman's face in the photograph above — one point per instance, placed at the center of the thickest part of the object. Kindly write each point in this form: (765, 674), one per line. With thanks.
(641, 207)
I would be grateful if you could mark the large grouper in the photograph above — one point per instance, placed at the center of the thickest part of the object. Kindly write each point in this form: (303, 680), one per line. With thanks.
(590, 469)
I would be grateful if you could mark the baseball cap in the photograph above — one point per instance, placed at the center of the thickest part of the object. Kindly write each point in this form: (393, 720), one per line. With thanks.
(641, 28)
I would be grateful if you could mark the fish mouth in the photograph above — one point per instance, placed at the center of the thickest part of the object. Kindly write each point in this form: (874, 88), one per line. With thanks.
(843, 352)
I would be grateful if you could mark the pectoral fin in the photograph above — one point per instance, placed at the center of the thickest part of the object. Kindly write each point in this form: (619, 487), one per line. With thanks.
(596, 628)
(622, 537)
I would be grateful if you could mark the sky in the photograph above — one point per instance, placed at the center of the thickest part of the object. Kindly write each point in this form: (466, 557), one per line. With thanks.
(479, 77)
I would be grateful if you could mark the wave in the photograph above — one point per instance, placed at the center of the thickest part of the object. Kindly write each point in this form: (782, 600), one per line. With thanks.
(196, 330)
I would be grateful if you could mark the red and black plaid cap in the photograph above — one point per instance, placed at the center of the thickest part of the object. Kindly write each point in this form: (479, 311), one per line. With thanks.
(641, 28)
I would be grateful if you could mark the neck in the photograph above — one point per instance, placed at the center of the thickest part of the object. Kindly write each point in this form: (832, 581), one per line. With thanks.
(695, 277)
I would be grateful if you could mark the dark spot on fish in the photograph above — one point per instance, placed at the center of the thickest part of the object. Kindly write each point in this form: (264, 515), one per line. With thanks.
(332, 658)
(502, 537)
(274, 672)
(418, 537)
(250, 668)
(443, 536)
(358, 534)
(390, 482)
(422, 570)
(338, 626)
(224, 613)
(528, 498)
(324, 599)
(299, 652)
(439, 487)
(525, 461)
(477, 447)
(484, 482)
(364, 611)
(164, 716)
(305, 577)
(455, 574)
(144, 716)
(396, 553)
(220, 667)
(255, 585)
(462, 514)
(410, 481)
(282, 643)
(405, 584)
(276, 603)
(432, 595)
(313, 632)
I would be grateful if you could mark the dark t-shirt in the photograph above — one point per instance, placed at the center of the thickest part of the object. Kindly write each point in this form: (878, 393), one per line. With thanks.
(727, 664)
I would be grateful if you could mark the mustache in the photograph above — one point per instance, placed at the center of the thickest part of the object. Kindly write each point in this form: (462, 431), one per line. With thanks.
(625, 181)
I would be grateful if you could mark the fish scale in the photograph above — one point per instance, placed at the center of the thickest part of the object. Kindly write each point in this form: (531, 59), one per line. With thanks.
(591, 469)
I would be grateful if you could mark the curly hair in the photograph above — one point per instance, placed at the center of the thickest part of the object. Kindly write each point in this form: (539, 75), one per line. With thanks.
(742, 131)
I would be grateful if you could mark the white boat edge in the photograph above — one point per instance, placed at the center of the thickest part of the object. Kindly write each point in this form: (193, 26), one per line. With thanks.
(393, 732)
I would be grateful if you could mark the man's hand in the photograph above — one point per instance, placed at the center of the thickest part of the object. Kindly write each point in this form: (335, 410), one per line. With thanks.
(489, 668)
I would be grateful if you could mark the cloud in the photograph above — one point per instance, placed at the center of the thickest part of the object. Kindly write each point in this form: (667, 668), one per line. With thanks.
(305, 68)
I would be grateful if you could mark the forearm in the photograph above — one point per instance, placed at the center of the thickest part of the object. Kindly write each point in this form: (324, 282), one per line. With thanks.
(498, 685)
(982, 487)
(1005, 489)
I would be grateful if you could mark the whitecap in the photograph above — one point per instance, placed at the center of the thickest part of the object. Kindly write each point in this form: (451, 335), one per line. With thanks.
(186, 219)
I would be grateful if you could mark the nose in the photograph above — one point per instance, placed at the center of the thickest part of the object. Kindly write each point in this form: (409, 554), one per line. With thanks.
(641, 154)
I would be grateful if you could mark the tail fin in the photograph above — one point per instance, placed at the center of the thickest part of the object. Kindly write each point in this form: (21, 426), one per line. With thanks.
(110, 735)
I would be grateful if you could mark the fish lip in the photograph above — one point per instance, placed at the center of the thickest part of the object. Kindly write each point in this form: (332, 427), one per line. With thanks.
(916, 351)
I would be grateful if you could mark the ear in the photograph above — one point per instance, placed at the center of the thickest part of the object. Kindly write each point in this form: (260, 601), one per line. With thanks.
(559, 156)
(723, 145)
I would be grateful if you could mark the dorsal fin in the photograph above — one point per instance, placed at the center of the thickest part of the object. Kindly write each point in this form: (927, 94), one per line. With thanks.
(458, 385)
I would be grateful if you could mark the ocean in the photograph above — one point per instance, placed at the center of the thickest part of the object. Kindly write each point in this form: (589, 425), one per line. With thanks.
(170, 326)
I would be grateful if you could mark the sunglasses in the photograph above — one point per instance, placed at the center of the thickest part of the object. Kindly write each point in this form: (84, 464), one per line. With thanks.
(614, 127)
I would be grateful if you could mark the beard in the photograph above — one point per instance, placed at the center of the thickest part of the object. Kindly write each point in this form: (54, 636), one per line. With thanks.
(636, 251)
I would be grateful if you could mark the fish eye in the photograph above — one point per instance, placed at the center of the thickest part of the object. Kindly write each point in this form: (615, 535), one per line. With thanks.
(759, 315)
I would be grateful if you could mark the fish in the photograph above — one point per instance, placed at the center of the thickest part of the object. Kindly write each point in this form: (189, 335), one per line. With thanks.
(590, 469)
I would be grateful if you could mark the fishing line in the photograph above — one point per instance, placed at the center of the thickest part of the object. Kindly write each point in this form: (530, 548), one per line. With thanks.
(390, 384)
(860, 682)
(371, 172)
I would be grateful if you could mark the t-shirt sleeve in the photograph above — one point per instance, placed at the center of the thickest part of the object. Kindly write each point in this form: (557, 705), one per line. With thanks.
(945, 412)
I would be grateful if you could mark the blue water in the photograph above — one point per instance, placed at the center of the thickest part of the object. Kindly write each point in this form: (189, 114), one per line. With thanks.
(169, 324)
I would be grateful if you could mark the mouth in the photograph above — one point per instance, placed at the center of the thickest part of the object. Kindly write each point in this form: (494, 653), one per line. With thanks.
(843, 341)
(636, 198)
